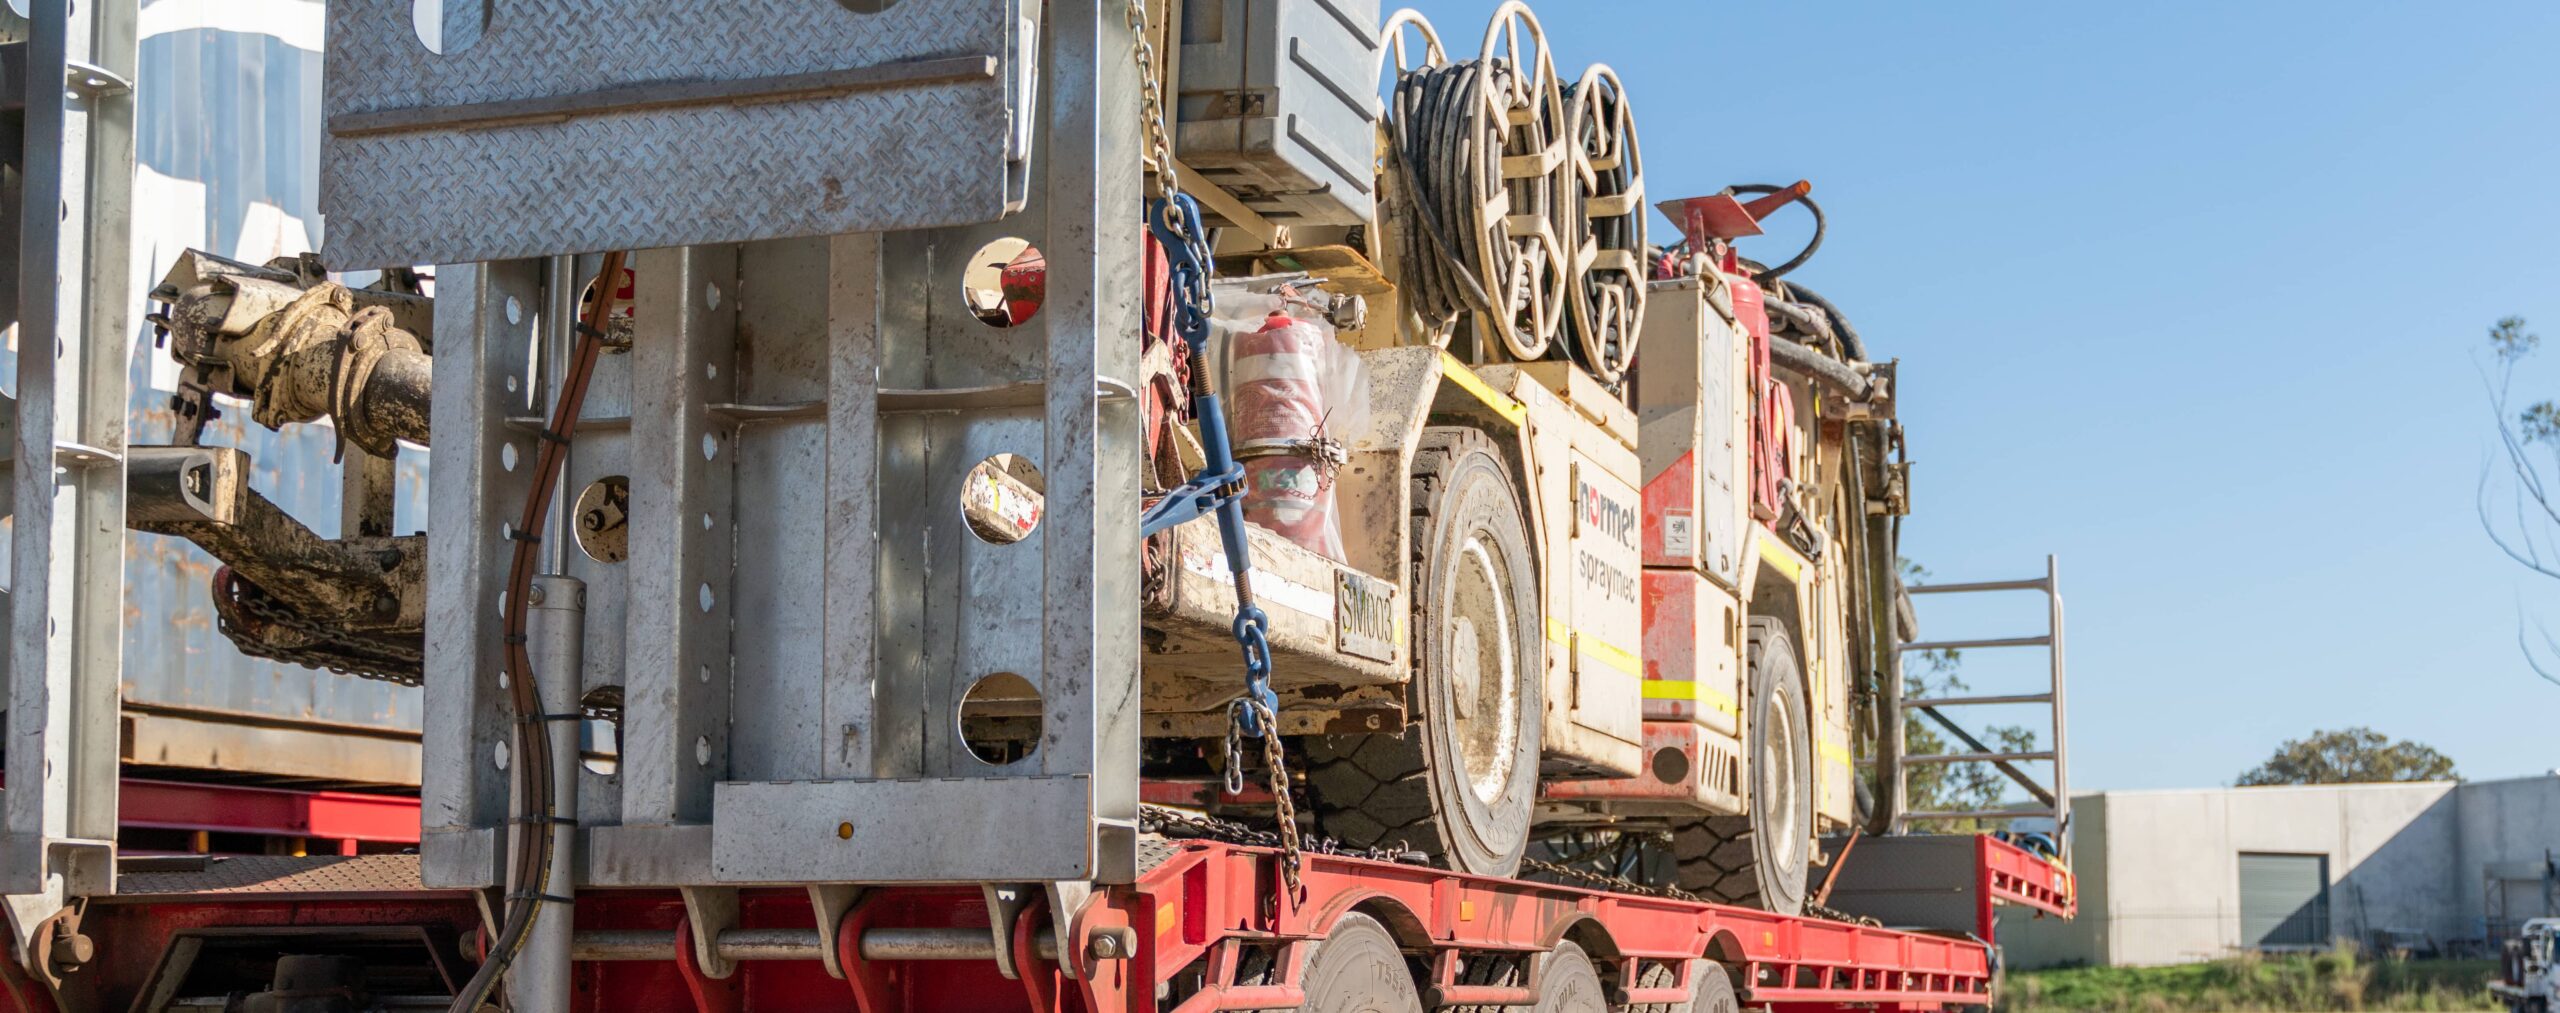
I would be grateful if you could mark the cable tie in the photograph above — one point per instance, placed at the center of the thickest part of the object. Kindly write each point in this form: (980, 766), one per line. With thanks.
(539, 895)
(524, 536)
(565, 821)
(548, 436)
(516, 640)
(588, 330)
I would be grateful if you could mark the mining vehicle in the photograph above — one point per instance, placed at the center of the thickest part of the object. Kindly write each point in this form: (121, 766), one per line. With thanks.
(1160, 503)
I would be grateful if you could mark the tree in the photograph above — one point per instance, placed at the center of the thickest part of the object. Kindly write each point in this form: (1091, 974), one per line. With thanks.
(2350, 756)
(2528, 436)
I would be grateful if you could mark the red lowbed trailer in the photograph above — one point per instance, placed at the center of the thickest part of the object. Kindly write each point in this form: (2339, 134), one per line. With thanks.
(1207, 926)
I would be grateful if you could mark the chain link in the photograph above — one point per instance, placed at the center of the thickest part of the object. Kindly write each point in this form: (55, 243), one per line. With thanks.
(330, 648)
(1290, 860)
(1152, 100)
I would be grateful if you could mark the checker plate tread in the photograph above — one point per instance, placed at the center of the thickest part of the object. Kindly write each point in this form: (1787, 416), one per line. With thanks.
(915, 156)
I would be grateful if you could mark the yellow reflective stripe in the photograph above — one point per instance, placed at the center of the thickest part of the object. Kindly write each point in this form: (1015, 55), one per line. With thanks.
(1836, 753)
(1466, 379)
(1600, 650)
(1778, 558)
(1612, 655)
(1682, 689)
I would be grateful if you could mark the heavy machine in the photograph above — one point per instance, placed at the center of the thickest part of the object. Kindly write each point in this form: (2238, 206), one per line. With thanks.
(883, 446)
(2527, 981)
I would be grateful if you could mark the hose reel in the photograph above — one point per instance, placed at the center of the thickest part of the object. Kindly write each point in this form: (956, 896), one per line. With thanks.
(1519, 200)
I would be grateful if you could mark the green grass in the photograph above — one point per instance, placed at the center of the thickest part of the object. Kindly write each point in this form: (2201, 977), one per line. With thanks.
(2337, 980)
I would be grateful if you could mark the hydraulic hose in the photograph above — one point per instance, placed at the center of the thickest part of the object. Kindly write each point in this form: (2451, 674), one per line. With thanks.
(530, 866)
(1602, 212)
(1819, 225)
(1822, 369)
(1850, 343)
(1453, 127)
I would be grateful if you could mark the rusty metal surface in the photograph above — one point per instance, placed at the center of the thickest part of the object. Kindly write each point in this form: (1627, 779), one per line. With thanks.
(265, 876)
(615, 165)
(228, 95)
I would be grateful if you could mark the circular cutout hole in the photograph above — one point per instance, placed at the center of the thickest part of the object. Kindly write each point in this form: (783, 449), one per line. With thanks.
(602, 520)
(711, 371)
(507, 456)
(702, 594)
(702, 674)
(1002, 499)
(710, 446)
(867, 6)
(710, 295)
(1002, 284)
(447, 27)
(500, 753)
(702, 750)
(706, 522)
(511, 385)
(1000, 719)
(617, 325)
(515, 311)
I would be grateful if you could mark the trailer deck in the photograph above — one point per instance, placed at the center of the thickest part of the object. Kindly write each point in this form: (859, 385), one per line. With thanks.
(1206, 926)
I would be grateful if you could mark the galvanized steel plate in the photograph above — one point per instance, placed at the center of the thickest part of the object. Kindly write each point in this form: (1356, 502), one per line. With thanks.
(587, 125)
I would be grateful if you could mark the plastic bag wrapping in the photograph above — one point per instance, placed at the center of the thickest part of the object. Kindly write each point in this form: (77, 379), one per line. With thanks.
(1298, 398)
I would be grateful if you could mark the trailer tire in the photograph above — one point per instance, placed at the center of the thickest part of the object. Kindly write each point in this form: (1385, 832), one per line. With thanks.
(1359, 969)
(1459, 781)
(1710, 989)
(1570, 983)
(1762, 859)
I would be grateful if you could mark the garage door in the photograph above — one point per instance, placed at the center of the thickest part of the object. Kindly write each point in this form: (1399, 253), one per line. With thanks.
(2284, 900)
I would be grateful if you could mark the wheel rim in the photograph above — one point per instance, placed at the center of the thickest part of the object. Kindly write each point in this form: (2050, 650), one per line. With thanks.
(1782, 781)
(1484, 688)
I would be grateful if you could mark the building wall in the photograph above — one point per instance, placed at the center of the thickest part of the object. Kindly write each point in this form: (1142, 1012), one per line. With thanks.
(2159, 870)
(2510, 828)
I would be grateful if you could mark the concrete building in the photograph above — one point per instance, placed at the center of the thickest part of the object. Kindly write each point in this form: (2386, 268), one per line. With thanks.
(2174, 876)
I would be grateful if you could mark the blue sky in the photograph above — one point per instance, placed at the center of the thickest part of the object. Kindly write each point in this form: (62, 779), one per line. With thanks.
(2188, 294)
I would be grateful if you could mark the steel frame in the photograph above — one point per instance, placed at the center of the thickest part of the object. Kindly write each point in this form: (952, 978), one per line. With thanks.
(70, 233)
(1187, 924)
(800, 614)
(2056, 797)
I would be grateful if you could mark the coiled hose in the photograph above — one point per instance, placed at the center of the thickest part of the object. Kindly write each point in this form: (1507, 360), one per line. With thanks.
(1604, 216)
(1483, 187)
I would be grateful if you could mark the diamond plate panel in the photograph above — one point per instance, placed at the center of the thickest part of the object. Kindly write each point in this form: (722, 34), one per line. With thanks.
(924, 153)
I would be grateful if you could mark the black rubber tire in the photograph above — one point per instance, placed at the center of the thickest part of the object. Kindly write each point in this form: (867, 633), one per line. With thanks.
(1710, 989)
(1762, 860)
(1571, 984)
(1413, 787)
(1359, 969)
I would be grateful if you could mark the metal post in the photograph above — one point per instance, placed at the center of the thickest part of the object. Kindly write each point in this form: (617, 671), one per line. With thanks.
(2061, 768)
(539, 980)
(70, 287)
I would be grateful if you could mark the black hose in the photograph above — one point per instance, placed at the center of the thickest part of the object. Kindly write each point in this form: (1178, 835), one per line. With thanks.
(1850, 343)
(1822, 369)
(1819, 226)
(1451, 130)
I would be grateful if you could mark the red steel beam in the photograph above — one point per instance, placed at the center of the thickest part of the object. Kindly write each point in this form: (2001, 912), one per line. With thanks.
(281, 812)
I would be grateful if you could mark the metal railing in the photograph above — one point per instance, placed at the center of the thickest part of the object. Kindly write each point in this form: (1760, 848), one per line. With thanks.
(2054, 801)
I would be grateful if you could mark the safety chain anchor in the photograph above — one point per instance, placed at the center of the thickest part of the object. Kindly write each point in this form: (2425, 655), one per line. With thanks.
(1173, 219)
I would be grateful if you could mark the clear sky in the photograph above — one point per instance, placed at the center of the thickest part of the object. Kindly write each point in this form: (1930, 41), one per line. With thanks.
(2191, 295)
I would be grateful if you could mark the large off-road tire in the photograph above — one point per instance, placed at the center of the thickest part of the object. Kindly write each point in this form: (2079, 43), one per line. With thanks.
(1358, 969)
(1762, 860)
(1571, 984)
(1458, 781)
